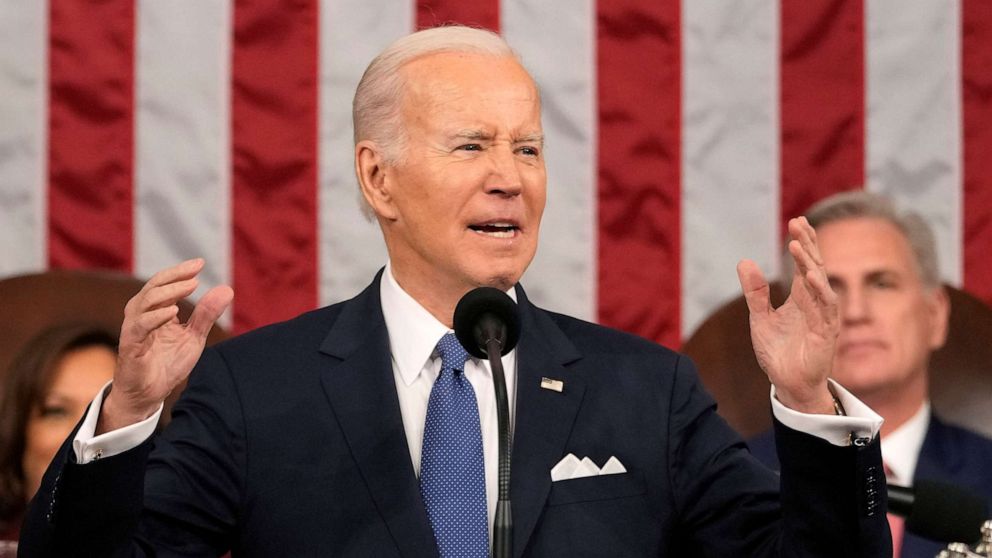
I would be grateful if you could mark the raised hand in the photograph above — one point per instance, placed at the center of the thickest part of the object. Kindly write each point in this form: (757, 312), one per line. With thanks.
(794, 343)
(157, 351)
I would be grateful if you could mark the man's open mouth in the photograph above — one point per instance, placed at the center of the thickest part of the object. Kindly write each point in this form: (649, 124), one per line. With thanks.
(497, 230)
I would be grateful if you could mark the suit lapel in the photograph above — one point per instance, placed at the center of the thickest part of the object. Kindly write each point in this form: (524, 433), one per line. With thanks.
(932, 462)
(362, 393)
(544, 417)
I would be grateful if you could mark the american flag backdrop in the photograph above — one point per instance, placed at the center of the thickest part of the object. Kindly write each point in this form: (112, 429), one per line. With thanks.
(680, 137)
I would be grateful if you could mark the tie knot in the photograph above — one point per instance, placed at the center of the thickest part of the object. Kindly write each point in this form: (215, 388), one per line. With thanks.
(453, 355)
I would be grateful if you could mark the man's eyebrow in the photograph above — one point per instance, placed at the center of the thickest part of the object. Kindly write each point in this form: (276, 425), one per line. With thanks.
(471, 134)
(884, 273)
(870, 275)
(530, 138)
(474, 134)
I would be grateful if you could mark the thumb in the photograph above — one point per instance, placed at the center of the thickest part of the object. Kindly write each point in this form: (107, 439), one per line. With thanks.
(754, 286)
(210, 307)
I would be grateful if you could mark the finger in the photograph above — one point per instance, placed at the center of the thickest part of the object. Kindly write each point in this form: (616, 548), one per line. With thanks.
(820, 309)
(821, 291)
(815, 243)
(805, 256)
(754, 286)
(148, 322)
(805, 269)
(179, 272)
(814, 296)
(804, 259)
(167, 295)
(801, 230)
(210, 307)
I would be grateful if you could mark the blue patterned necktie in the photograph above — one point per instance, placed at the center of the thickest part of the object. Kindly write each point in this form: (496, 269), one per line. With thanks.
(452, 472)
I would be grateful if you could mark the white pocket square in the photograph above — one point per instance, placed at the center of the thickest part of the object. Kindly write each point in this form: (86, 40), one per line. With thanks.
(571, 467)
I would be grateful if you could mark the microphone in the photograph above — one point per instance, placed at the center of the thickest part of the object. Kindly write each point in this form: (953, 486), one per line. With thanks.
(486, 324)
(938, 510)
(485, 315)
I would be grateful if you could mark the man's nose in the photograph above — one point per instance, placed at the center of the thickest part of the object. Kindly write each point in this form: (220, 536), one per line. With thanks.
(504, 176)
(854, 306)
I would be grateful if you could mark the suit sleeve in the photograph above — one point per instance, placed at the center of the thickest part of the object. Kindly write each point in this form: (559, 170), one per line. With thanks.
(828, 502)
(174, 495)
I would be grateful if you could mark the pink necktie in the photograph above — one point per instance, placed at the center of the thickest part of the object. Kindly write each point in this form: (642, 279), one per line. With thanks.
(896, 523)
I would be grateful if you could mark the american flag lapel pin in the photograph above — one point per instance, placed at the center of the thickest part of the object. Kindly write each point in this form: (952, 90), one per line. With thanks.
(552, 384)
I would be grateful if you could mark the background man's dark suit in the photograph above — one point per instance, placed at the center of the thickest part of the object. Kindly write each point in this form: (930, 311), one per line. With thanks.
(949, 454)
(289, 442)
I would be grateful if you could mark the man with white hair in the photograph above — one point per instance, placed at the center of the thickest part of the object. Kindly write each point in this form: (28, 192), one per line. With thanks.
(882, 263)
(363, 428)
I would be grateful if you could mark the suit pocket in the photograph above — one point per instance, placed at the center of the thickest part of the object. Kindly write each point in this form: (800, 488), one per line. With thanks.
(598, 488)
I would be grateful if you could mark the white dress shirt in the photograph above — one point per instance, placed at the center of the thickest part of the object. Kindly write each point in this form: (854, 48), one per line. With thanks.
(413, 335)
(901, 447)
(859, 422)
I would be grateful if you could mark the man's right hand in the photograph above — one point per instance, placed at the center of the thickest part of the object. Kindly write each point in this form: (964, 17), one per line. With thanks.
(157, 352)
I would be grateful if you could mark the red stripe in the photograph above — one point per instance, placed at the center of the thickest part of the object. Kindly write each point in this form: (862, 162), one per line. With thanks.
(274, 144)
(90, 134)
(976, 90)
(477, 13)
(822, 101)
(638, 61)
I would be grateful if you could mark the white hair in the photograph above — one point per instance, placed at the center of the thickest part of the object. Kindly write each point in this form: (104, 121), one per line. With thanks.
(376, 106)
(861, 204)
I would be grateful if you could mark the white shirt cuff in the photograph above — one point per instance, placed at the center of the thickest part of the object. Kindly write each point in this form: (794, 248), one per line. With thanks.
(860, 421)
(89, 447)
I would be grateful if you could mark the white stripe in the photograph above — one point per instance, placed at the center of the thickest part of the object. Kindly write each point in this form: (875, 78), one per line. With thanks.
(557, 41)
(730, 149)
(23, 135)
(182, 151)
(914, 115)
(352, 32)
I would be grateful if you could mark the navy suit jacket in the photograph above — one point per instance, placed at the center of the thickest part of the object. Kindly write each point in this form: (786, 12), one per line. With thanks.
(288, 441)
(949, 454)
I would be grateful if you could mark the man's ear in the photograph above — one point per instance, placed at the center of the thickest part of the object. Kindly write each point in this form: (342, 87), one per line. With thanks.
(939, 306)
(373, 179)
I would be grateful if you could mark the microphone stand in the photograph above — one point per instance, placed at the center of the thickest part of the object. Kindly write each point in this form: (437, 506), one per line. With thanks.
(503, 525)
(487, 325)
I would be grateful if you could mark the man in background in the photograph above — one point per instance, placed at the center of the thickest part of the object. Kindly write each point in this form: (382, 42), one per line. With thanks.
(882, 263)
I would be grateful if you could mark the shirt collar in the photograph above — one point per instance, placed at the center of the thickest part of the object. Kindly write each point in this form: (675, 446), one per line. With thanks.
(901, 447)
(413, 331)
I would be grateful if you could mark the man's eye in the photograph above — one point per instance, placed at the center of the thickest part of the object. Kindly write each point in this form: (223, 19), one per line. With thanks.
(529, 151)
(883, 284)
(470, 147)
(54, 411)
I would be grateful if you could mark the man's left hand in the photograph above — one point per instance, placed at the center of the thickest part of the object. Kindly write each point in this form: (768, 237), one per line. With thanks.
(794, 343)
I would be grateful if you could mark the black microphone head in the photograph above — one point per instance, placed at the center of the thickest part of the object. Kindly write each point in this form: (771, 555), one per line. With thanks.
(945, 512)
(485, 312)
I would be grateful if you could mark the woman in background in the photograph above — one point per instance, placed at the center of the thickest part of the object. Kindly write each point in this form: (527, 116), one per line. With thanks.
(45, 393)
